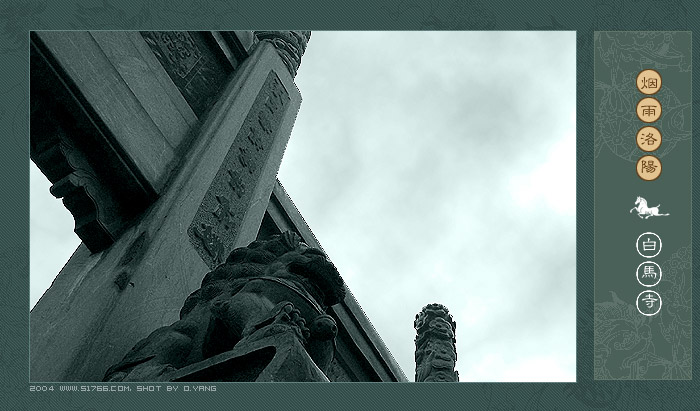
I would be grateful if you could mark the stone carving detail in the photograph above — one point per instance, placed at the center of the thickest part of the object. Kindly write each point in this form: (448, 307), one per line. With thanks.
(436, 352)
(177, 49)
(214, 228)
(290, 46)
(102, 189)
(268, 292)
(193, 62)
(99, 218)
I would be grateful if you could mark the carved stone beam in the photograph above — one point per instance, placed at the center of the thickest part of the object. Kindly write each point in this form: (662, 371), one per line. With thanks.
(98, 187)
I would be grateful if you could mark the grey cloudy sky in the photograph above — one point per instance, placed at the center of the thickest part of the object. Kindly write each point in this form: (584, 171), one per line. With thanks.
(432, 167)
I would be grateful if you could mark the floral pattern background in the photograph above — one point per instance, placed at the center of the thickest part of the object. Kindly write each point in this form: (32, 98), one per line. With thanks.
(615, 118)
(622, 331)
(627, 345)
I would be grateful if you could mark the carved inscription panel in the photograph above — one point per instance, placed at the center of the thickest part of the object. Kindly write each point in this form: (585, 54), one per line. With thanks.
(197, 68)
(215, 226)
(176, 49)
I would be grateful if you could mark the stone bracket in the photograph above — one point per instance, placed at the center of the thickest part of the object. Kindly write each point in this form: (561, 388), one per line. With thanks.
(97, 185)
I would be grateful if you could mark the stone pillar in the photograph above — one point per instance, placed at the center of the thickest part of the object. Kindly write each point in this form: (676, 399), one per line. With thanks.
(436, 352)
(208, 193)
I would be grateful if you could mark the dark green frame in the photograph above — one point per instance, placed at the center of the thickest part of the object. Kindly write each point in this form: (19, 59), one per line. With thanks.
(18, 17)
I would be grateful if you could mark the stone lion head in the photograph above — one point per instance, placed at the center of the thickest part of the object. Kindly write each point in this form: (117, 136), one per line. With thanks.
(283, 257)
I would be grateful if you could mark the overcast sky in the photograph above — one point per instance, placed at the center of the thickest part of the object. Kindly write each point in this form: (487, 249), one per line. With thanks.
(432, 167)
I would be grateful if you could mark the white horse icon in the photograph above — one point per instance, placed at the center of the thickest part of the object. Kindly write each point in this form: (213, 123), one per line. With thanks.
(645, 212)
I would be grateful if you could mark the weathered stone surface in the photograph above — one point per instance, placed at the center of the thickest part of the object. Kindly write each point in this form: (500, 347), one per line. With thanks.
(215, 226)
(104, 103)
(94, 79)
(101, 304)
(149, 82)
(271, 355)
(436, 352)
(90, 175)
(196, 66)
(274, 287)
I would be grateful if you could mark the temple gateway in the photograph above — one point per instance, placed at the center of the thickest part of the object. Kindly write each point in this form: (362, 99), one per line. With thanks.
(195, 265)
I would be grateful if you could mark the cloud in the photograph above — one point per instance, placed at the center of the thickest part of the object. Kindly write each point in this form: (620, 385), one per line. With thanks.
(51, 237)
(443, 183)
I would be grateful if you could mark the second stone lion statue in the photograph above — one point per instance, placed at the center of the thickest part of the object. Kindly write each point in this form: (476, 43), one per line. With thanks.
(279, 284)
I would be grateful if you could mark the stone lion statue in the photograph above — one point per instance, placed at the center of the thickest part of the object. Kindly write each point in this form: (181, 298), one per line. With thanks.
(268, 286)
